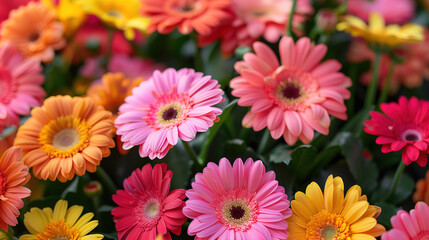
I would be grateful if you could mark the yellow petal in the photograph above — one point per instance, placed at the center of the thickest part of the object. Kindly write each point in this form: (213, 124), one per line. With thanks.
(356, 211)
(83, 220)
(362, 237)
(85, 229)
(60, 210)
(315, 194)
(363, 225)
(73, 214)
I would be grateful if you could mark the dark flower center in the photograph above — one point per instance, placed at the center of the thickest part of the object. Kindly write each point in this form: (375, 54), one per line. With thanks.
(237, 212)
(291, 92)
(411, 135)
(34, 37)
(169, 114)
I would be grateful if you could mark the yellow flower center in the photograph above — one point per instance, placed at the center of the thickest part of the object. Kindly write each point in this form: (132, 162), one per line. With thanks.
(58, 231)
(64, 136)
(236, 212)
(169, 113)
(327, 226)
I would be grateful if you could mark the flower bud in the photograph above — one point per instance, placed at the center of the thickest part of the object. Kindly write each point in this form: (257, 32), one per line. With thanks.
(326, 20)
(93, 189)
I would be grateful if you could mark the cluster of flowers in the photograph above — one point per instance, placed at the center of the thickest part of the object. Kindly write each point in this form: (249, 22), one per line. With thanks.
(294, 98)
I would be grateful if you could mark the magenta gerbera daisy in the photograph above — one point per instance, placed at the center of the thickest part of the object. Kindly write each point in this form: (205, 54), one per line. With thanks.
(295, 97)
(237, 202)
(20, 89)
(170, 105)
(410, 226)
(405, 126)
(146, 207)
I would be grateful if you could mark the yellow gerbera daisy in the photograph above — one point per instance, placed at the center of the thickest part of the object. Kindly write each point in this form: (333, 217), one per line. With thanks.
(69, 12)
(331, 216)
(121, 14)
(376, 32)
(61, 223)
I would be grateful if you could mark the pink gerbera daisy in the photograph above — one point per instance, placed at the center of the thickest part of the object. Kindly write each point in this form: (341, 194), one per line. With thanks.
(20, 89)
(13, 175)
(170, 105)
(295, 97)
(410, 226)
(238, 202)
(406, 127)
(146, 207)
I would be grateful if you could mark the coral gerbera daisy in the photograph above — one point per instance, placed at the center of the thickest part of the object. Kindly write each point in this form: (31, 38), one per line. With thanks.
(123, 15)
(376, 33)
(237, 202)
(186, 15)
(146, 207)
(20, 85)
(331, 215)
(295, 97)
(112, 90)
(13, 175)
(61, 223)
(64, 137)
(410, 226)
(405, 126)
(170, 105)
(34, 31)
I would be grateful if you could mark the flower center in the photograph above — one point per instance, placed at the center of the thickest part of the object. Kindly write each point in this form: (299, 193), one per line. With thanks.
(186, 8)
(58, 231)
(34, 37)
(169, 113)
(236, 212)
(7, 86)
(327, 226)
(64, 136)
(292, 89)
(411, 135)
(151, 209)
(114, 13)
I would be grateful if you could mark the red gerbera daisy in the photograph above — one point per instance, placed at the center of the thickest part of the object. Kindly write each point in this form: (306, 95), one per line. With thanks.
(146, 207)
(406, 127)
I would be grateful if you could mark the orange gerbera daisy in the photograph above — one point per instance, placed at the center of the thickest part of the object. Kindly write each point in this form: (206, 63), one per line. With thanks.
(186, 15)
(112, 90)
(34, 31)
(65, 136)
(422, 190)
(13, 174)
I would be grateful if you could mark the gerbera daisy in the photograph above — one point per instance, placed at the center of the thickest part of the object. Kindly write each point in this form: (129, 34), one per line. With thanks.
(64, 137)
(237, 202)
(170, 105)
(61, 223)
(186, 15)
(295, 97)
(331, 215)
(410, 226)
(122, 15)
(422, 190)
(251, 20)
(146, 207)
(377, 33)
(13, 175)
(34, 31)
(7, 142)
(405, 126)
(393, 11)
(20, 85)
(112, 90)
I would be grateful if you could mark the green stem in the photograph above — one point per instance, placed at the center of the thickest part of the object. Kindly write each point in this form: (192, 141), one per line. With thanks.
(192, 154)
(372, 89)
(289, 23)
(104, 177)
(383, 96)
(266, 138)
(109, 46)
(395, 180)
(197, 57)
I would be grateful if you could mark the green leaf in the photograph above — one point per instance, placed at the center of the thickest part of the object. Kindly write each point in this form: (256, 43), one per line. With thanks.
(215, 128)
(281, 154)
(403, 190)
(387, 211)
(355, 124)
(364, 171)
(56, 75)
(302, 158)
(72, 187)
